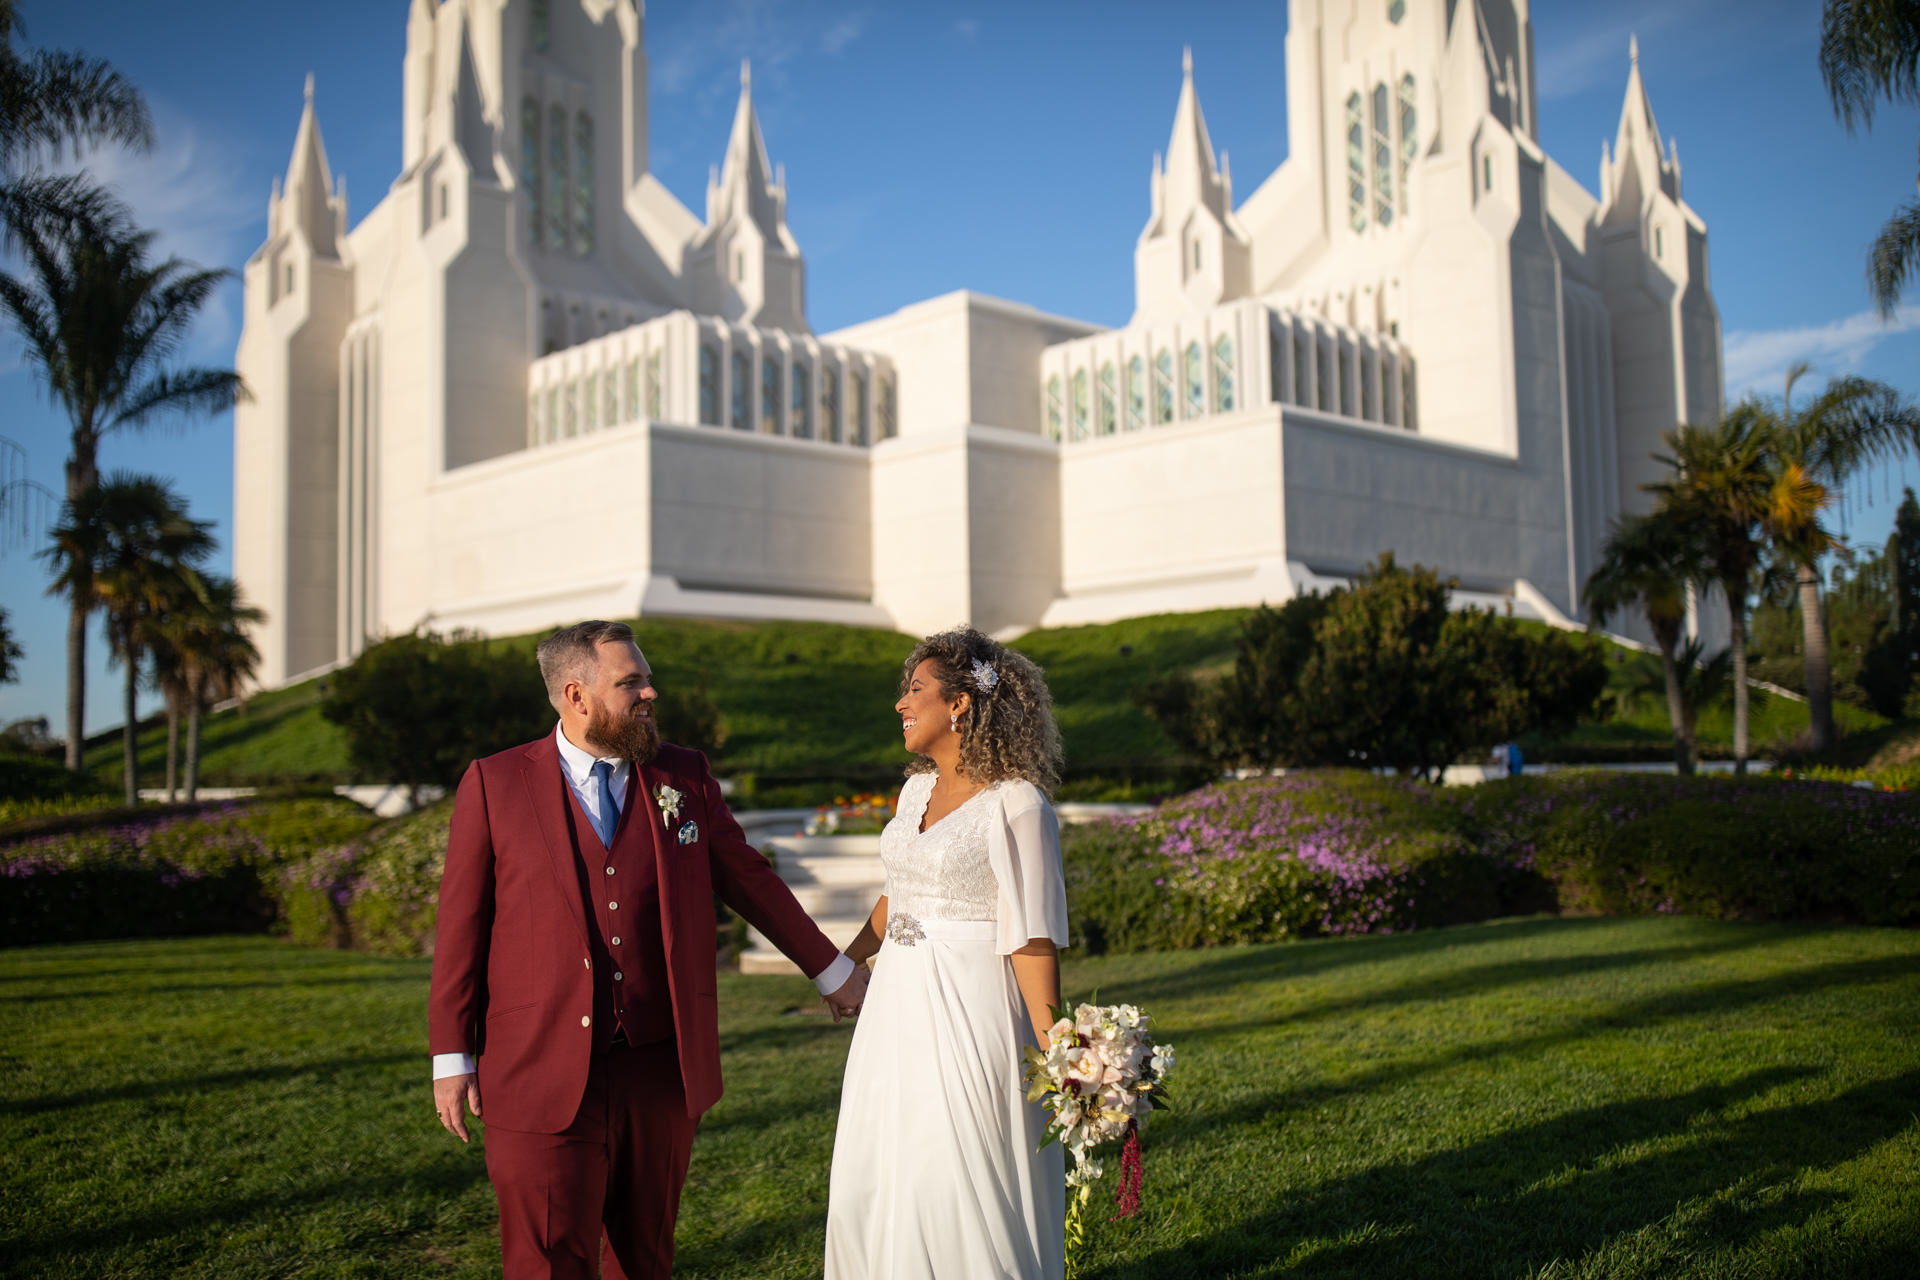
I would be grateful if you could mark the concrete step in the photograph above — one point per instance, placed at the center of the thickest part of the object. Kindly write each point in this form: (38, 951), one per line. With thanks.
(836, 901)
(762, 956)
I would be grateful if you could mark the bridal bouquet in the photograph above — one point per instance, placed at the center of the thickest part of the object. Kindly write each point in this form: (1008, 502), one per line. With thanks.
(1102, 1075)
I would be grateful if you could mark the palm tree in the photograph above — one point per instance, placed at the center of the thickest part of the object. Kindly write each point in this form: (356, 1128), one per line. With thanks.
(216, 656)
(1721, 489)
(1870, 49)
(1648, 563)
(100, 324)
(50, 100)
(1854, 422)
(138, 543)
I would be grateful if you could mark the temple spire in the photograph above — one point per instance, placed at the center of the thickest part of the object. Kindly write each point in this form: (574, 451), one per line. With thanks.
(307, 200)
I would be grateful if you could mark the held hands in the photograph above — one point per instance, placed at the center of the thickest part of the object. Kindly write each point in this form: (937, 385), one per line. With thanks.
(845, 1000)
(448, 1093)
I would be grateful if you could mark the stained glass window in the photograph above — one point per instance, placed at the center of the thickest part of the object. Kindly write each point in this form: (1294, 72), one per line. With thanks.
(1109, 400)
(592, 405)
(582, 185)
(770, 394)
(741, 416)
(1223, 374)
(1079, 404)
(632, 389)
(656, 387)
(1356, 165)
(557, 201)
(1053, 407)
(709, 384)
(800, 387)
(540, 25)
(1409, 134)
(1163, 387)
(1196, 382)
(1382, 156)
(1136, 394)
(889, 419)
(530, 165)
(830, 404)
(860, 406)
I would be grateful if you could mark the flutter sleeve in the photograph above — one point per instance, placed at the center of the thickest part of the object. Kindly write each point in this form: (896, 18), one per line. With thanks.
(1024, 845)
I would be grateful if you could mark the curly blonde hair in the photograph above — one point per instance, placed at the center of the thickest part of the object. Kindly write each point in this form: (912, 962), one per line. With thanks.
(1008, 731)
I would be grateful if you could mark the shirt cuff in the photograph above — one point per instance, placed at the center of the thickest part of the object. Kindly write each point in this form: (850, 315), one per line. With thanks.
(835, 975)
(452, 1064)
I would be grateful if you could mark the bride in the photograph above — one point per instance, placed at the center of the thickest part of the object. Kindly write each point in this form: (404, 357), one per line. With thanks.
(936, 1166)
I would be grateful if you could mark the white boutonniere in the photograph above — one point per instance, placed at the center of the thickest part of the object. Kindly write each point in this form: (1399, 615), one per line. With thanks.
(669, 801)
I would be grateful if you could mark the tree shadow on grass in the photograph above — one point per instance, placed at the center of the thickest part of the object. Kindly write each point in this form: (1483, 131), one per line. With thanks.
(1715, 998)
(166, 1087)
(208, 1216)
(293, 983)
(1514, 1202)
(1292, 961)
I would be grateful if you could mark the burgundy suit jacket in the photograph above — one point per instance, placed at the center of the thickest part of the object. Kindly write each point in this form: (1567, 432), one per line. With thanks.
(512, 972)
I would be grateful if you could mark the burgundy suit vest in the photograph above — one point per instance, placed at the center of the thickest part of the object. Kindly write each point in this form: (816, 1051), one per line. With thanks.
(622, 888)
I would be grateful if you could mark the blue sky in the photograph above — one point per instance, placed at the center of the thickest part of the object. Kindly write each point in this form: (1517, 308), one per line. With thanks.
(1000, 148)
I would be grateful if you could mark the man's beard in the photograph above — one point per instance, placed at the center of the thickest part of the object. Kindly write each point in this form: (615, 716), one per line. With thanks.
(634, 738)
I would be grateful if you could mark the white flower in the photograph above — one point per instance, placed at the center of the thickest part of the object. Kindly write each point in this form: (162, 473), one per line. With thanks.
(669, 801)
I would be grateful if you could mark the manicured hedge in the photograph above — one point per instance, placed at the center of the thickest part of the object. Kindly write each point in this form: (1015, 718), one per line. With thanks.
(217, 871)
(1328, 853)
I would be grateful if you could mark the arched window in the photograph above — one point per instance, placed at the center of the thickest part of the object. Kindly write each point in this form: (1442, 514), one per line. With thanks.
(1302, 365)
(1196, 255)
(530, 166)
(1136, 394)
(741, 416)
(1054, 407)
(1409, 134)
(889, 418)
(1396, 10)
(1408, 418)
(1382, 156)
(1368, 368)
(1163, 387)
(1223, 374)
(539, 25)
(770, 394)
(557, 200)
(582, 184)
(860, 406)
(1079, 404)
(800, 398)
(1109, 400)
(1486, 170)
(631, 386)
(1349, 364)
(1323, 374)
(709, 384)
(609, 400)
(1356, 165)
(573, 408)
(656, 388)
(1196, 382)
(553, 415)
(830, 404)
(592, 405)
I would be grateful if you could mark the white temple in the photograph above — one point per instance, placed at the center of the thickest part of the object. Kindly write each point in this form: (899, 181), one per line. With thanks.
(532, 386)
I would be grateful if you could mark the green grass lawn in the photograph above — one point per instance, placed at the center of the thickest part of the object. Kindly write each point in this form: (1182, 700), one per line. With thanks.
(1657, 1097)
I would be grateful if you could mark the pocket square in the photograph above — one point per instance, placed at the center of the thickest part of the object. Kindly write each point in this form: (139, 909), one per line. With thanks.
(689, 832)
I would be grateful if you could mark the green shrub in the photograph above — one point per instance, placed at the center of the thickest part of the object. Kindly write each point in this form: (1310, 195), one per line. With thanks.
(1754, 849)
(397, 888)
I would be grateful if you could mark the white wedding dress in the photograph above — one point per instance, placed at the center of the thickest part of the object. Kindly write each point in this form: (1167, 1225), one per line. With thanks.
(936, 1167)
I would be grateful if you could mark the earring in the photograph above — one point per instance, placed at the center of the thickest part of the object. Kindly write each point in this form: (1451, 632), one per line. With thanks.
(953, 724)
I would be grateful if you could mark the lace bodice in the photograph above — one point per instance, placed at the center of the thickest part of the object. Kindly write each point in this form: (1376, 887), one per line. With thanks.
(944, 872)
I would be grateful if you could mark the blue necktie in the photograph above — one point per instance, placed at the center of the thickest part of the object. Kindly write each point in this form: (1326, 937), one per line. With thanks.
(608, 815)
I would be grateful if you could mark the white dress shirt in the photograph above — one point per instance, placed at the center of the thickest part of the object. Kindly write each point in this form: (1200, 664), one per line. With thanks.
(577, 764)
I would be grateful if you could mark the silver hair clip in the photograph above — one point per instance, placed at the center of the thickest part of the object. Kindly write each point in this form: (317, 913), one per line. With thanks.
(985, 676)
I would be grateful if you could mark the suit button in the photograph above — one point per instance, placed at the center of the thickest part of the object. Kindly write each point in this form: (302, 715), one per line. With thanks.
(609, 870)
(616, 939)
(585, 1021)
(613, 906)
(619, 977)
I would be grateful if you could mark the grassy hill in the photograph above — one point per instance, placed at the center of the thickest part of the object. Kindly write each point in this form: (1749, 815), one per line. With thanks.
(815, 701)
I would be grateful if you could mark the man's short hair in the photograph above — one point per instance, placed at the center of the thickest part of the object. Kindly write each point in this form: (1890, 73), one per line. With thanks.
(572, 653)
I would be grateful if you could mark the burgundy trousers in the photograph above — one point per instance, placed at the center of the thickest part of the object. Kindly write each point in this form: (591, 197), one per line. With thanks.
(615, 1171)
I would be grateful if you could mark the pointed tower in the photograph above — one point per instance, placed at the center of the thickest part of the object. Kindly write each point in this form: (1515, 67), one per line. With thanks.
(1193, 253)
(298, 299)
(1653, 252)
(745, 264)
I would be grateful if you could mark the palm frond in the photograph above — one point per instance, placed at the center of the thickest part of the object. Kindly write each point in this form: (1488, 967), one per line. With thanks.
(1894, 257)
(186, 392)
(1869, 49)
(52, 100)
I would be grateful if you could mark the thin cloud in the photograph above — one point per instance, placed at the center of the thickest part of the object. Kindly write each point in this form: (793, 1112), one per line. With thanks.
(1757, 361)
(842, 33)
(1596, 56)
(967, 28)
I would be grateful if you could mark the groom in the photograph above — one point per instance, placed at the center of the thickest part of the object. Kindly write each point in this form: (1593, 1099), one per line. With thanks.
(574, 959)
